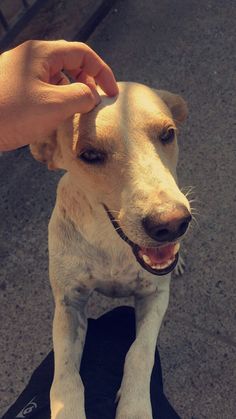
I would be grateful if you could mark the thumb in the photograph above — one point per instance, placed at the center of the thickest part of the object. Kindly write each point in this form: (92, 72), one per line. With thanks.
(73, 98)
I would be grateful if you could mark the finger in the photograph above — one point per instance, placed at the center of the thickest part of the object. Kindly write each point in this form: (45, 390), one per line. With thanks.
(84, 78)
(90, 82)
(59, 78)
(66, 100)
(74, 56)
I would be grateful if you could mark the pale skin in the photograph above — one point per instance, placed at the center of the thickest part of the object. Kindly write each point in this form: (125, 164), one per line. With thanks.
(35, 96)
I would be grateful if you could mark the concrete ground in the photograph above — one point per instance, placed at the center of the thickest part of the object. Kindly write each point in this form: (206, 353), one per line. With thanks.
(185, 46)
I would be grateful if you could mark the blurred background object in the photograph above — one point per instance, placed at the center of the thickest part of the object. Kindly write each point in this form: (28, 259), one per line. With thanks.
(49, 19)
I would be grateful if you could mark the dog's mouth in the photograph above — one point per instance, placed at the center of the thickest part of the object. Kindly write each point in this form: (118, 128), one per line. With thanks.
(159, 260)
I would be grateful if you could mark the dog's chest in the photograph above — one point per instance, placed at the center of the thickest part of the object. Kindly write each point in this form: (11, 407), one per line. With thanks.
(107, 266)
(120, 275)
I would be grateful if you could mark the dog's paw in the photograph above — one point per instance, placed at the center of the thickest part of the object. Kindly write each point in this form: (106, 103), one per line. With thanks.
(180, 267)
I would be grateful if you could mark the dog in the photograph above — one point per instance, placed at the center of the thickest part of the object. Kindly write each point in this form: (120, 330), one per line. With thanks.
(116, 228)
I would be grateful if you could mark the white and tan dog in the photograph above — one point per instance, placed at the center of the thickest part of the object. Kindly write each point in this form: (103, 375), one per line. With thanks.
(116, 227)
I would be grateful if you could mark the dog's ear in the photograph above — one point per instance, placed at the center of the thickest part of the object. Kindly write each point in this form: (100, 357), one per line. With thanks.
(44, 151)
(176, 104)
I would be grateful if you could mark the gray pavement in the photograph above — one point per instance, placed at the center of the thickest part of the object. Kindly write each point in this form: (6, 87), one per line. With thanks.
(185, 46)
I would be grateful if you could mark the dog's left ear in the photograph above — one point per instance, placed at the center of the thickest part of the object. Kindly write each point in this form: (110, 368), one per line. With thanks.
(45, 151)
(176, 104)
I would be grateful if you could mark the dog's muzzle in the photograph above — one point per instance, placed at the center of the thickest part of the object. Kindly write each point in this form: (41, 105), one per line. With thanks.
(159, 260)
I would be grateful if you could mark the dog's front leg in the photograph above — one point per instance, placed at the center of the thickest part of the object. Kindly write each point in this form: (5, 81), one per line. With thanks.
(69, 330)
(134, 393)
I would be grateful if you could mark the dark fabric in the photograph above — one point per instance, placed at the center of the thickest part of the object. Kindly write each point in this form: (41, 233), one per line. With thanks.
(107, 342)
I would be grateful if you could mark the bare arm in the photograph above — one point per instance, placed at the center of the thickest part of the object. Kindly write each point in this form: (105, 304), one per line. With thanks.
(35, 95)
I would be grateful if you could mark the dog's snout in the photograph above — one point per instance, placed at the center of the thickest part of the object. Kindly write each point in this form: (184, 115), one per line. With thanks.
(169, 224)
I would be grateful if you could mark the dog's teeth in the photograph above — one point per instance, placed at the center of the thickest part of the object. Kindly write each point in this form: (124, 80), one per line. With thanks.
(176, 248)
(146, 259)
(164, 265)
(156, 266)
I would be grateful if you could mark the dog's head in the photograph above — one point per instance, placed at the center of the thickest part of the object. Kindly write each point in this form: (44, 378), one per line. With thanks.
(123, 155)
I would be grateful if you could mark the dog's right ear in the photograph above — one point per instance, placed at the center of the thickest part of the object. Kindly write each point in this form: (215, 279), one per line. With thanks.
(44, 151)
(176, 104)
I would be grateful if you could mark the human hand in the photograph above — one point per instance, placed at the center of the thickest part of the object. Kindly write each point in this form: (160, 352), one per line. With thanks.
(34, 92)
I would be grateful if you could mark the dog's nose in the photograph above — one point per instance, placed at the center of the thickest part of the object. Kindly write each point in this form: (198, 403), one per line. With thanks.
(169, 224)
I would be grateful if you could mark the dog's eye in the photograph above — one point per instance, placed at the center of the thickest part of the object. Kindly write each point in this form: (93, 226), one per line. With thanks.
(168, 136)
(92, 156)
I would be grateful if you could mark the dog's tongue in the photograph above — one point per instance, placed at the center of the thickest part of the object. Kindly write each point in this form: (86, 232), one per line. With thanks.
(159, 254)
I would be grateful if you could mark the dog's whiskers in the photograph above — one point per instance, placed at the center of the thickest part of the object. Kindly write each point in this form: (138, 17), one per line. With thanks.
(118, 228)
(114, 219)
(189, 191)
(112, 210)
(195, 220)
(194, 209)
(193, 200)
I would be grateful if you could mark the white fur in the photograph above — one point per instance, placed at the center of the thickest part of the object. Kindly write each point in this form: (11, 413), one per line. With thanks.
(85, 251)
